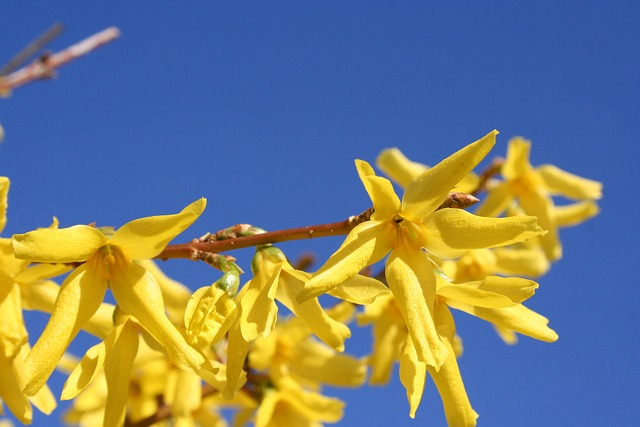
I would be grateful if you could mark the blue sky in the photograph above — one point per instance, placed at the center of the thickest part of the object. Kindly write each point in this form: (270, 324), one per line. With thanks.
(262, 107)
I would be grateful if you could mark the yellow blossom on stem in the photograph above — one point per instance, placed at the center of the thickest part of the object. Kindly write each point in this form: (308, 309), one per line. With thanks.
(108, 262)
(533, 188)
(404, 228)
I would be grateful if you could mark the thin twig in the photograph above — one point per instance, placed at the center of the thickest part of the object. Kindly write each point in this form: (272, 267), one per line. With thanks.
(188, 250)
(32, 48)
(44, 67)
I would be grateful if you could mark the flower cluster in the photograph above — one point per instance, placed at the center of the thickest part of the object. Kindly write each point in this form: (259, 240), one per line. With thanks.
(167, 351)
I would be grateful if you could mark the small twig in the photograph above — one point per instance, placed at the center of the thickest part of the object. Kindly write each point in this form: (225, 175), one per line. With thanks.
(186, 250)
(32, 48)
(44, 67)
(493, 169)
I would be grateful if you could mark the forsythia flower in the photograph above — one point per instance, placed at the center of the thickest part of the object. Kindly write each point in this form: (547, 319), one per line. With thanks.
(533, 188)
(404, 228)
(107, 263)
(274, 278)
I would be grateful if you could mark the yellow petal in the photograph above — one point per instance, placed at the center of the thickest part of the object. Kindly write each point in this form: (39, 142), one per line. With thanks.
(396, 166)
(365, 245)
(317, 363)
(11, 383)
(80, 296)
(496, 201)
(452, 232)
(388, 337)
(62, 245)
(237, 350)
(40, 272)
(117, 370)
(259, 309)
(385, 201)
(522, 262)
(457, 407)
(541, 206)
(359, 290)
(145, 238)
(412, 282)
(88, 369)
(491, 292)
(13, 333)
(4, 191)
(517, 162)
(333, 333)
(413, 374)
(175, 294)
(428, 190)
(575, 213)
(569, 185)
(210, 313)
(518, 318)
(137, 293)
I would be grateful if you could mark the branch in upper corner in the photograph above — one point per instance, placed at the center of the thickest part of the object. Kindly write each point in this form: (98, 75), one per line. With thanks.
(45, 66)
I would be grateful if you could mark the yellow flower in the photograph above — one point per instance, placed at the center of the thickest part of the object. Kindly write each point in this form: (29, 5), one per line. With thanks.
(291, 350)
(288, 404)
(404, 228)
(107, 263)
(274, 278)
(534, 188)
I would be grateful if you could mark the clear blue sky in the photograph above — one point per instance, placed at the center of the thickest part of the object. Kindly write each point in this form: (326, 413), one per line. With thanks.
(262, 106)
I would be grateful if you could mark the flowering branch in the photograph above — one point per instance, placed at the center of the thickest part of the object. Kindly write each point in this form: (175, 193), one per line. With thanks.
(44, 67)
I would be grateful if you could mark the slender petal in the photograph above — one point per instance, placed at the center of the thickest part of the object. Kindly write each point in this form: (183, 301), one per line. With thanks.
(453, 232)
(517, 162)
(575, 213)
(4, 191)
(365, 245)
(80, 296)
(145, 238)
(519, 319)
(117, 369)
(569, 185)
(491, 292)
(457, 407)
(385, 201)
(412, 282)
(522, 262)
(427, 191)
(496, 201)
(63, 245)
(11, 383)
(413, 375)
(237, 350)
(397, 167)
(89, 367)
(138, 294)
(388, 337)
(259, 309)
(540, 205)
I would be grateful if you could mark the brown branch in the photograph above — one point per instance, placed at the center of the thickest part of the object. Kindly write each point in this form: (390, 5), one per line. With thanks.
(44, 67)
(192, 249)
(32, 48)
(493, 169)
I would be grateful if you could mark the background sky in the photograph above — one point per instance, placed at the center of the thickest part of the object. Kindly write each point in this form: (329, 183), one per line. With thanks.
(262, 107)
